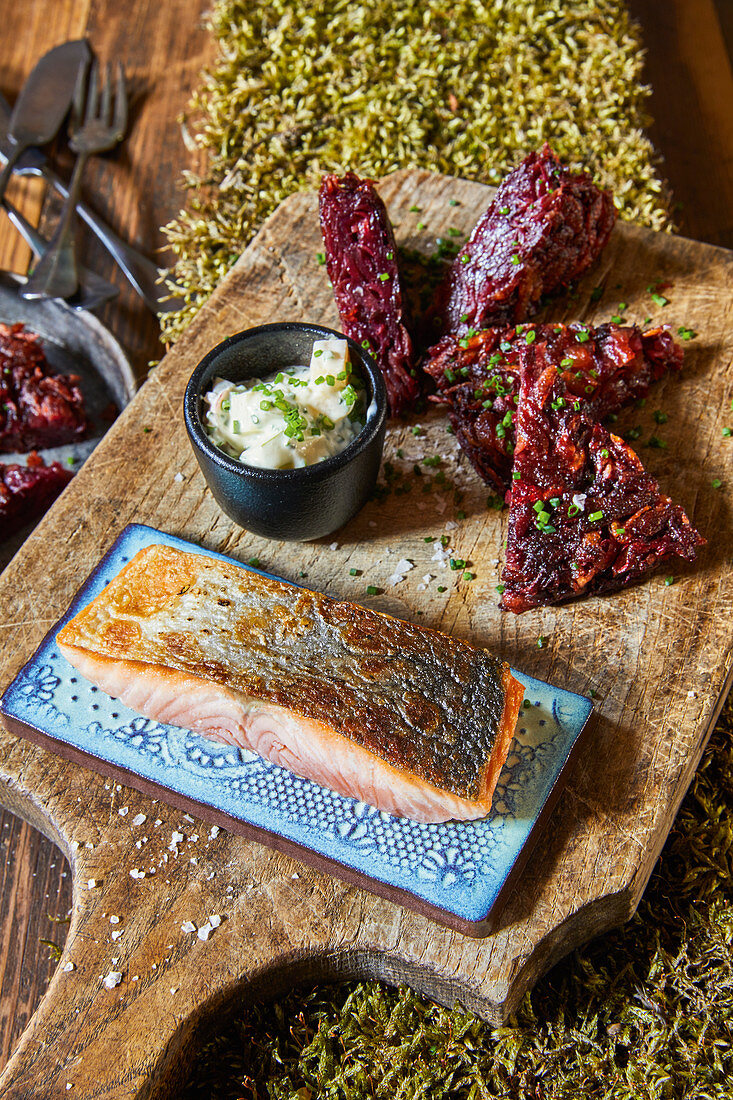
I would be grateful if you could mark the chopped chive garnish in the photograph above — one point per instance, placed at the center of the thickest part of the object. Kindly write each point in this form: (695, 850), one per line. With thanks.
(441, 588)
(254, 562)
(372, 590)
(668, 581)
(716, 483)
(594, 517)
(321, 257)
(566, 362)
(500, 588)
(383, 276)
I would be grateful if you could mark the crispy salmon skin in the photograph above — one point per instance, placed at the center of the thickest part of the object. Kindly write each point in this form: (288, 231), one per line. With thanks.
(405, 718)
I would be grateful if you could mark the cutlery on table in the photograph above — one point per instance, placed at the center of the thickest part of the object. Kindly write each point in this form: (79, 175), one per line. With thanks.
(98, 121)
(93, 289)
(44, 101)
(141, 273)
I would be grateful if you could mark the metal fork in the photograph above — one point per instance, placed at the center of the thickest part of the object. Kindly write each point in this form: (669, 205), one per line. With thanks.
(56, 274)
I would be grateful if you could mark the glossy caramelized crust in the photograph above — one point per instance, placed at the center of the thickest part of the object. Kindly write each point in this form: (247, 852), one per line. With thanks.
(422, 702)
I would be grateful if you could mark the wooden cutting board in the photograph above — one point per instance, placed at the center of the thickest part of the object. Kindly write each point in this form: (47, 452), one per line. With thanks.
(657, 658)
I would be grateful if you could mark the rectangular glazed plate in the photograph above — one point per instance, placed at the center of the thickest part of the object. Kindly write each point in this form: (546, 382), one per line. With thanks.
(457, 873)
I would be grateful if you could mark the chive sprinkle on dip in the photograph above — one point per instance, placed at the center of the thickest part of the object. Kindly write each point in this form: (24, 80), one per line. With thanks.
(294, 418)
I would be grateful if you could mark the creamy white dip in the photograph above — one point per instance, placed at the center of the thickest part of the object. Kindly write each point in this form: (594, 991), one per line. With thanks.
(294, 418)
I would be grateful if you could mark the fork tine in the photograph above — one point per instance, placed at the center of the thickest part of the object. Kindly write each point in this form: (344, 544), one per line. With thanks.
(105, 112)
(92, 105)
(77, 105)
(120, 119)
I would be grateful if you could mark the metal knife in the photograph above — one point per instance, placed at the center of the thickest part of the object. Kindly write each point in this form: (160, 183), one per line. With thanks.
(93, 290)
(140, 272)
(44, 101)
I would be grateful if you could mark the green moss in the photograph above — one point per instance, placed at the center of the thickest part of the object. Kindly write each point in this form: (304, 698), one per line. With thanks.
(458, 86)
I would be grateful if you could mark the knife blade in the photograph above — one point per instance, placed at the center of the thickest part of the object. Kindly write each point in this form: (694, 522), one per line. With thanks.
(141, 272)
(44, 100)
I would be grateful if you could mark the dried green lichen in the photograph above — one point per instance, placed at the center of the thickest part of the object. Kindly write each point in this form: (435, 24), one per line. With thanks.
(643, 1013)
(458, 86)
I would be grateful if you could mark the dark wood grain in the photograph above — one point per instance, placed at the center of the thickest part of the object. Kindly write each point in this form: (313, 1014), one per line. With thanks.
(689, 65)
(658, 657)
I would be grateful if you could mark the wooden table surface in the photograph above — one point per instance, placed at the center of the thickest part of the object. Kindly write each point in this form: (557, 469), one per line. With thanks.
(163, 46)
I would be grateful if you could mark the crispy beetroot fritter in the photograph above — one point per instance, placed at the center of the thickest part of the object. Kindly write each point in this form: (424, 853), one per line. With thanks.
(361, 258)
(37, 409)
(477, 377)
(27, 491)
(584, 515)
(545, 227)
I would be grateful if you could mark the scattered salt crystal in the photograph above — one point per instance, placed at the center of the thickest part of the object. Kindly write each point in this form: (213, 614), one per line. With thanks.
(174, 989)
(74, 845)
(123, 811)
(193, 837)
(137, 873)
(214, 831)
(113, 978)
(178, 477)
(91, 883)
(115, 961)
(188, 926)
(114, 920)
(333, 546)
(68, 967)
(176, 838)
(138, 819)
(135, 978)
(158, 821)
(404, 566)
(187, 817)
(204, 931)
(451, 525)
(215, 919)
(692, 695)
(427, 577)
(579, 500)
(69, 1085)
(116, 935)
(396, 578)
(421, 587)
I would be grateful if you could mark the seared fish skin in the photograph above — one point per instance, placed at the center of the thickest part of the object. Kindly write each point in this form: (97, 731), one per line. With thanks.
(406, 718)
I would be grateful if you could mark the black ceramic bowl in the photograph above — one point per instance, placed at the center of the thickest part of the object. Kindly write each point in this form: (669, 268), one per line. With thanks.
(286, 504)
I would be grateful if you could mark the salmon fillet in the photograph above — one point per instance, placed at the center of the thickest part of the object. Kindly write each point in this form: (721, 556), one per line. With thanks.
(405, 718)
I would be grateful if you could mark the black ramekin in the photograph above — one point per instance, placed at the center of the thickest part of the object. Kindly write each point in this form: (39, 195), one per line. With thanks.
(301, 504)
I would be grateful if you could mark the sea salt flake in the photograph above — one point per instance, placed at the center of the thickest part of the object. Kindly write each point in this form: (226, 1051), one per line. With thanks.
(215, 919)
(178, 477)
(174, 989)
(116, 935)
(404, 566)
(123, 811)
(138, 819)
(114, 920)
(68, 967)
(396, 578)
(91, 883)
(451, 525)
(579, 500)
(214, 831)
(187, 817)
(113, 978)
(193, 837)
(137, 873)
(427, 577)
(188, 926)
(333, 546)
(204, 931)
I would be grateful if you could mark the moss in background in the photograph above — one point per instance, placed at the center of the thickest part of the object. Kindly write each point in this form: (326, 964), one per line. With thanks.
(458, 86)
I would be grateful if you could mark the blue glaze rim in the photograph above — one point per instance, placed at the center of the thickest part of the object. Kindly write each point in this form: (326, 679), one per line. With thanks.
(458, 873)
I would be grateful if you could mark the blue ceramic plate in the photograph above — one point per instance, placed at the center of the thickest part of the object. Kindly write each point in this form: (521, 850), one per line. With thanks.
(458, 873)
